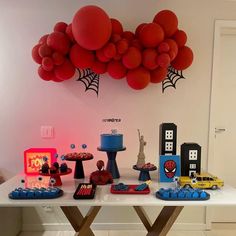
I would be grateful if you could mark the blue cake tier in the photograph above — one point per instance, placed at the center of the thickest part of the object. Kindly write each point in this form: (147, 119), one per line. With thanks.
(111, 141)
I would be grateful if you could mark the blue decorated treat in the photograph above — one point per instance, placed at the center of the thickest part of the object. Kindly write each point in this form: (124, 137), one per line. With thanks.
(111, 141)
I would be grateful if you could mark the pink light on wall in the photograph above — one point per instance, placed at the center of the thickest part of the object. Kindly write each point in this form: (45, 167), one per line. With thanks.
(34, 159)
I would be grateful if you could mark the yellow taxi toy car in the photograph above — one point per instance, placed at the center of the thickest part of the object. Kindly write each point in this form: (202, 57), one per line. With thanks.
(203, 180)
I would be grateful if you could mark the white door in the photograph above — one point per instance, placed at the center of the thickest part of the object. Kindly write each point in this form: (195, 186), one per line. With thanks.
(222, 138)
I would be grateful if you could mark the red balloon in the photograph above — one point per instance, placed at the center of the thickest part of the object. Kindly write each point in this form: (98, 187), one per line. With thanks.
(158, 75)
(60, 27)
(109, 50)
(116, 26)
(45, 50)
(47, 63)
(43, 39)
(163, 47)
(101, 57)
(184, 58)
(116, 70)
(91, 27)
(138, 78)
(35, 54)
(168, 21)
(136, 43)
(99, 67)
(65, 71)
(69, 33)
(180, 38)
(173, 48)
(151, 35)
(139, 28)
(58, 58)
(163, 60)
(59, 42)
(149, 59)
(80, 57)
(117, 57)
(115, 38)
(128, 35)
(122, 46)
(46, 75)
(132, 58)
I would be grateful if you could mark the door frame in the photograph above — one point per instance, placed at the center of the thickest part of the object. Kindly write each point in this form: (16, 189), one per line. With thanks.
(221, 27)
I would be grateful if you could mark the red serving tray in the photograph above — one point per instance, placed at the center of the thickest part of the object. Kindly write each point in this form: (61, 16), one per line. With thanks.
(131, 190)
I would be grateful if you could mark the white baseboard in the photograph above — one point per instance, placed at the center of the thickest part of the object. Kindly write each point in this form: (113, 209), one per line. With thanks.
(110, 226)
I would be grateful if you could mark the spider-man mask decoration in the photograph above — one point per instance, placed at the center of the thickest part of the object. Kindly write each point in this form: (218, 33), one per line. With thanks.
(170, 168)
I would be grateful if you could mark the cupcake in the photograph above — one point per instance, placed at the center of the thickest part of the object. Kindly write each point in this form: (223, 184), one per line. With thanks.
(53, 170)
(45, 168)
(55, 164)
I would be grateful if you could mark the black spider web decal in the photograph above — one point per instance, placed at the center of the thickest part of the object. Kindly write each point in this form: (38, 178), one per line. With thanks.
(89, 79)
(171, 79)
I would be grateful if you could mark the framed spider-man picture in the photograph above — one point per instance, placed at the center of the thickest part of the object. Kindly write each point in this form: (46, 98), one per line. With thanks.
(169, 168)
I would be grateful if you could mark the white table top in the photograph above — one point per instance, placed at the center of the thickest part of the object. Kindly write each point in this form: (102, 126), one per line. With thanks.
(222, 197)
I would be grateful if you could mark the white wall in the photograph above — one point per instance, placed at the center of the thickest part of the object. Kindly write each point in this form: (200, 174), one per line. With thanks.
(27, 102)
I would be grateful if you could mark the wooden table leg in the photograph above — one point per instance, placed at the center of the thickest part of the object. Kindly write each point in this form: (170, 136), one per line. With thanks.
(77, 220)
(143, 217)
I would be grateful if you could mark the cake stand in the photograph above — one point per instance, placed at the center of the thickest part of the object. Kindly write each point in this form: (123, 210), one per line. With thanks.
(56, 177)
(79, 169)
(144, 172)
(111, 164)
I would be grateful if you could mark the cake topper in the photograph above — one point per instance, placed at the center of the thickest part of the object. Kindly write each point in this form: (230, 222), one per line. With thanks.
(114, 131)
(141, 155)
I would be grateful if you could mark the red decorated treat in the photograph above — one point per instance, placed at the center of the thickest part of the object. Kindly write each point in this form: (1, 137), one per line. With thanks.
(55, 164)
(53, 170)
(63, 167)
(148, 166)
(78, 156)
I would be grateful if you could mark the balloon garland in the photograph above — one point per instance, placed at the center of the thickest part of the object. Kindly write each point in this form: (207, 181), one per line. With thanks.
(96, 42)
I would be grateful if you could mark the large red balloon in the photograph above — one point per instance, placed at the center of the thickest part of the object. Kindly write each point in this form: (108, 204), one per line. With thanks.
(60, 27)
(168, 21)
(184, 58)
(116, 70)
(132, 58)
(91, 27)
(46, 75)
(65, 71)
(149, 59)
(80, 57)
(116, 26)
(180, 38)
(99, 67)
(151, 35)
(138, 78)
(58, 41)
(35, 54)
(158, 75)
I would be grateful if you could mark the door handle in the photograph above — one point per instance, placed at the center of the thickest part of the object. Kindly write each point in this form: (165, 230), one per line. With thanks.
(219, 130)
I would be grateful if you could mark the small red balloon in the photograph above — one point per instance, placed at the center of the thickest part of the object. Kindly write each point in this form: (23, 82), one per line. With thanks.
(65, 71)
(60, 27)
(139, 28)
(35, 54)
(138, 78)
(183, 59)
(116, 26)
(136, 43)
(180, 38)
(116, 69)
(117, 57)
(47, 63)
(158, 75)
(115, 38)
(46, 75)
(163, 60)
(151, 35)
(149, 59)
(168, 21)
(58, 41)
(58, 58)
(69, 33)
(101, 57)
(122, 46)
(99, 67)
(132, 58)
(80, 57)
(173, 48)
(91, 27)
(163, 47)
(45, 50)
(109, 50)
(43, 39)
(128, 35)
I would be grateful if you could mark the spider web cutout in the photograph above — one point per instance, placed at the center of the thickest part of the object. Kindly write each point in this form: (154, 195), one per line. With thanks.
(89, 79)
(171, 79)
